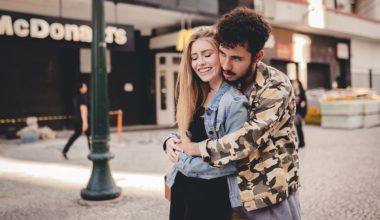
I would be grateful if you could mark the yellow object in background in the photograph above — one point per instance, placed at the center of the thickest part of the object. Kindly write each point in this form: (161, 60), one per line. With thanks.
(313, 115)
(182, 39)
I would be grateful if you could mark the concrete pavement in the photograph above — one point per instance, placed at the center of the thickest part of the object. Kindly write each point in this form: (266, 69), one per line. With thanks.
(340, 174)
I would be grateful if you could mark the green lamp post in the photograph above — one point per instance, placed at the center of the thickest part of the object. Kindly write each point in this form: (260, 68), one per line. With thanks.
(101, 186)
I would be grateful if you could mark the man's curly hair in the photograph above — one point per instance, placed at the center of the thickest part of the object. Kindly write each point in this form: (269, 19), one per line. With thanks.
(240, 26)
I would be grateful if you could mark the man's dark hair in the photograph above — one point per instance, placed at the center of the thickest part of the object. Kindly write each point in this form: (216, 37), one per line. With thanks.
(240, 26)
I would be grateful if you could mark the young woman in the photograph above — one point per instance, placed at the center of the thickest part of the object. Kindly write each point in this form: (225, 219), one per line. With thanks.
(207, 107)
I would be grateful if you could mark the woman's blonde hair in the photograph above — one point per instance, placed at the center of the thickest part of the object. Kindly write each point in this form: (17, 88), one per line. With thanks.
(191, 92)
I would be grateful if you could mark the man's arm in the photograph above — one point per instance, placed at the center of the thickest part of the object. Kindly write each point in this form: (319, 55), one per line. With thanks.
(235, 116)
(84, 113)
(263, 119)
(197, 167)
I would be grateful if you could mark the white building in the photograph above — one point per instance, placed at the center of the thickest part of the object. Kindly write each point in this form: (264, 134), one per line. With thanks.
(330, 43)
(358, 21)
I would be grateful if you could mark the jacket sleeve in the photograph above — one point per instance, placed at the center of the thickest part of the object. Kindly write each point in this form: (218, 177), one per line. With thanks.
(171, 135)
(265, 111)
(197, 167)
(236, 115)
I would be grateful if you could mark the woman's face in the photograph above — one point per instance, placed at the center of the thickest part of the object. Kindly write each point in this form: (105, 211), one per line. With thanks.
(205, 60)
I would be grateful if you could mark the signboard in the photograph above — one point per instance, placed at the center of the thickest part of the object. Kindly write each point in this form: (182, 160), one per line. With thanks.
(284, 51)
(53, 29)
(342, 51)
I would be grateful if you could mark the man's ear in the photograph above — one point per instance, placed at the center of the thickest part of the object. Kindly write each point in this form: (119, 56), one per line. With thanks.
(259, 56)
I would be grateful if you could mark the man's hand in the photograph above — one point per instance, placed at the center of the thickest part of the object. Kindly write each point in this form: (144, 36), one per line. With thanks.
(172, 149)
(190, 148)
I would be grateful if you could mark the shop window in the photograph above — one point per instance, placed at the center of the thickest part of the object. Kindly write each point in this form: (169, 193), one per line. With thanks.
(162, 60)
(176, 60)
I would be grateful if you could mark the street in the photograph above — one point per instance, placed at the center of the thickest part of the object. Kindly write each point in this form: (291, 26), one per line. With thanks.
(339, 170)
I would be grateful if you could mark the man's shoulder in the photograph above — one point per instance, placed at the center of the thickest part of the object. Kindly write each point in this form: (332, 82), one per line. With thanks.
(270, 71)
(272, 76)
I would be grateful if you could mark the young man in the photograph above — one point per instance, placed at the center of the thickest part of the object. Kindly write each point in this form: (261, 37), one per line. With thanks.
(80, 118)
(265, 148)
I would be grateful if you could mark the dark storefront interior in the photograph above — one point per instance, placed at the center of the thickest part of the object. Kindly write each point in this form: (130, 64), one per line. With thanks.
(38, 78)
(318, 76)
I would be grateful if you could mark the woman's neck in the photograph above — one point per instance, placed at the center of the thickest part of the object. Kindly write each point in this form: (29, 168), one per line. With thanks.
(215, 84)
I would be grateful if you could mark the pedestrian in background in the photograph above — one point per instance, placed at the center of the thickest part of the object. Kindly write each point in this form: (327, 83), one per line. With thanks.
(208, 107)
(301, 110)
(80, 118)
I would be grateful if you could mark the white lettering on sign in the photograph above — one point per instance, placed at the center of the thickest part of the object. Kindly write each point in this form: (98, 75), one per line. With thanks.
(85, 33)
(109, 34)
(57, 31)
(71, 32)
(41, 29)
(6, 25)
(21, 27)
(120, 36)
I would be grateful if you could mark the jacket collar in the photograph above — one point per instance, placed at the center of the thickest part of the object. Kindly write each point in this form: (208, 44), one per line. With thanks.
(262, 75)
(213, 105)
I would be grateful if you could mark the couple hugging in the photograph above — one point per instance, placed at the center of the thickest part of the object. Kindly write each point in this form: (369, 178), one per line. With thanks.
(236, 151)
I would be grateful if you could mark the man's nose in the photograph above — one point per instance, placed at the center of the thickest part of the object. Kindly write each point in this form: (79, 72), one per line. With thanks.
(226, 64)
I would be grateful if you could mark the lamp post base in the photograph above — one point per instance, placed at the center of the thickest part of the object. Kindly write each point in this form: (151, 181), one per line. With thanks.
(103, 202)
(100, 195)
(101, 185)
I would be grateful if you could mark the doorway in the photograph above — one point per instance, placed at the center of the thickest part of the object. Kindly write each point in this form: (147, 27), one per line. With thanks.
(318, 76)
(167, 66)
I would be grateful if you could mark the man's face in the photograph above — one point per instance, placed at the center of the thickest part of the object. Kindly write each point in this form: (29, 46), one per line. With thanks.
(236, 62)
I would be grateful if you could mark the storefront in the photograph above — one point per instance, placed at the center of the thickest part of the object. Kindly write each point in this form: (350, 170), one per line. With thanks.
(317, 61)
(42, 59)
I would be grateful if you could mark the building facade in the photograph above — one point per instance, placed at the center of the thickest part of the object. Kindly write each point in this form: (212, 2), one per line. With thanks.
(45, 53)
(353, 25)
(45, 50)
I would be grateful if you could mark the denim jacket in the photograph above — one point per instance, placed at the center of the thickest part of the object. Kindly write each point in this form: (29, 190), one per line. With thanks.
(226, 113)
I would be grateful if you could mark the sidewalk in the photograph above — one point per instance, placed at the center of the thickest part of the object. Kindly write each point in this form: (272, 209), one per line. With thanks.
(339, 170)
(37, 183)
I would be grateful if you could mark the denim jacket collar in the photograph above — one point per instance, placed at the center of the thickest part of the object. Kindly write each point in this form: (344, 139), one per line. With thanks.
(213, 105)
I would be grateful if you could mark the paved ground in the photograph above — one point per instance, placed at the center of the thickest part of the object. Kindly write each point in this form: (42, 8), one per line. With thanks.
(340, 173)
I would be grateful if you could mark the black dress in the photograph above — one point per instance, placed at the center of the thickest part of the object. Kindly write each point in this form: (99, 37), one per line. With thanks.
(198, 199)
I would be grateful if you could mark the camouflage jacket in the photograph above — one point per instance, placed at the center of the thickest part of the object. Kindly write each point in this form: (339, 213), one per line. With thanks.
(265, 148)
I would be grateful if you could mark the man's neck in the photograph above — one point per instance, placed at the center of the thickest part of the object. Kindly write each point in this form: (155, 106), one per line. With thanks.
(247, 81)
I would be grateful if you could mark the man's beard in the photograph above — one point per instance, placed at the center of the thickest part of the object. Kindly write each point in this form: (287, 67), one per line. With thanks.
(243, 78)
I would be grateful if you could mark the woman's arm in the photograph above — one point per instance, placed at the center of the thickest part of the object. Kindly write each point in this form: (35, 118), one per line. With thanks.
(236, 115)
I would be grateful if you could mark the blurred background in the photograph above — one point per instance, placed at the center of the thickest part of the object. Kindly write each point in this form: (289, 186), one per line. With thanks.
(331, 46)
